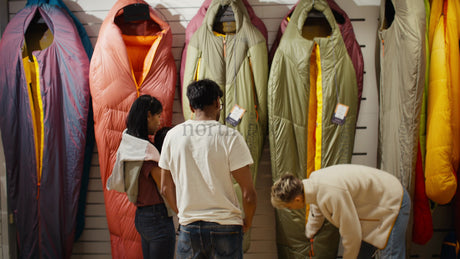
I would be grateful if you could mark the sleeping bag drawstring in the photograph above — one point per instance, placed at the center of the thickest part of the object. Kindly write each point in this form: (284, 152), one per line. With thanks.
(311, 253)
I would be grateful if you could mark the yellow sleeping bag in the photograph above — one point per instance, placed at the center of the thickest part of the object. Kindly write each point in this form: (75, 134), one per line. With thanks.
(443, 110)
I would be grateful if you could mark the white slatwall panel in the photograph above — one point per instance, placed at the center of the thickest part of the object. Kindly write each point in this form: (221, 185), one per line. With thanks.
(4, 212)
(7, 235)
(95, 240)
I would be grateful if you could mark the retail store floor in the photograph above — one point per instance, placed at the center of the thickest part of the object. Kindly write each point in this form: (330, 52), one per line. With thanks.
(263, 239)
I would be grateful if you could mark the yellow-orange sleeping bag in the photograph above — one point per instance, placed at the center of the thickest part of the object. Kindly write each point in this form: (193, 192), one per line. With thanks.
(443, 110)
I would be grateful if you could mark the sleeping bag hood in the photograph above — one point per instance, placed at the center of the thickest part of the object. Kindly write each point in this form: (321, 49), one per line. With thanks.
(130, 59)
(311, 78)
(348, 35)
(44, 104)
(197, 20)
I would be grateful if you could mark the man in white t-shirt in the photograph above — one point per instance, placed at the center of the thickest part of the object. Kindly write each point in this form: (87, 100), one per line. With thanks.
(198, 160)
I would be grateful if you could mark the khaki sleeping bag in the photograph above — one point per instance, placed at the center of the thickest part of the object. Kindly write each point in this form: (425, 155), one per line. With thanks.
(311, 79)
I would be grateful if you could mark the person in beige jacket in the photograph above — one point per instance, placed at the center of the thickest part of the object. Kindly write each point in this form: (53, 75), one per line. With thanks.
(370, 207)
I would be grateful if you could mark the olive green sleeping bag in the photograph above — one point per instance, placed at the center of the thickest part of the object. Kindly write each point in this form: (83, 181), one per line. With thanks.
(238, 63)
(311, 75)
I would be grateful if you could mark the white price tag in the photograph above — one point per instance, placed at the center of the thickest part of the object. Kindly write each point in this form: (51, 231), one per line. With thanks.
(235, 116)
(340, 114)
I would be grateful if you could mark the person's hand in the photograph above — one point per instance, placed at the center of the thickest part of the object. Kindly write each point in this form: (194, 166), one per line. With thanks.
(246, 226)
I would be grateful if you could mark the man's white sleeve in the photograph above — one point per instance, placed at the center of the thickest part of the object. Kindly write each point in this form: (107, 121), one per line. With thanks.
(165, 154)
(314, 222)
(239, 155)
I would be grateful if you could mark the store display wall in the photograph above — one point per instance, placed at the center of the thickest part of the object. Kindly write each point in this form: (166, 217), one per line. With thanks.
(95, 240)
(4, 213)
(3, 22)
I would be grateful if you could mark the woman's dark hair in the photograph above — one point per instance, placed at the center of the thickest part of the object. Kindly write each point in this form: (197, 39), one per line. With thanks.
(203, 93)
(160, 137)
(136, 122)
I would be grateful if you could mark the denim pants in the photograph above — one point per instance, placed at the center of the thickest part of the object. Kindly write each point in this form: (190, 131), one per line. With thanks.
(200, 240)
(396, 245)
(156, 230)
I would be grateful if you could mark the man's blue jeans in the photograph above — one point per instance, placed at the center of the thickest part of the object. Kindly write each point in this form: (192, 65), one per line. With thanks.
(202, 239)
(396, 246)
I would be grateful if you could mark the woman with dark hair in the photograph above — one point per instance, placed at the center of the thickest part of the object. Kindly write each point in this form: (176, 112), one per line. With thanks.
(160, 137)
(144, 117)
(137, 166)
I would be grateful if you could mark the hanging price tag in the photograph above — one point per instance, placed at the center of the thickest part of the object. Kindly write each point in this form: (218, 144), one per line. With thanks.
(235, 116)
(340, 114)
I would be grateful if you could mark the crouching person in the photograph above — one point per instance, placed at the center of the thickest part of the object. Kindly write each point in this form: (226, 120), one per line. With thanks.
(370, 207)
